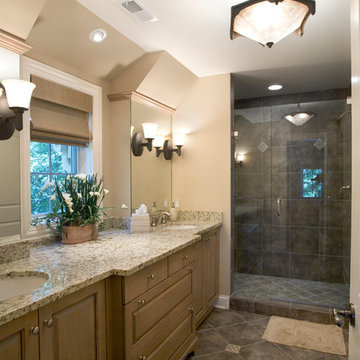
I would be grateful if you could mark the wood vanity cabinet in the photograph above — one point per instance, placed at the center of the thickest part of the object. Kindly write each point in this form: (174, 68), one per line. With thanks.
(151, 314)
(19, 340)
(74, 327)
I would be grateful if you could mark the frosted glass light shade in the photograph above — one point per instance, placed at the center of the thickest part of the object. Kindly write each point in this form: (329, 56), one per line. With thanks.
(158, 141)
(299, 118)
(269, 21)
(150, 130)
(18, 93)
(239, 157)
(179, 139)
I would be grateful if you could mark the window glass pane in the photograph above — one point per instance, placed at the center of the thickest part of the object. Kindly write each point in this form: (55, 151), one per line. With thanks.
(40, 200)
(49, 162)
(39, 157)
(63, 159)
(312, 183)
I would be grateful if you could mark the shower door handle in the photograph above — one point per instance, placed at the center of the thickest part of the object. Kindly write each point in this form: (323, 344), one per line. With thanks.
(278, 207)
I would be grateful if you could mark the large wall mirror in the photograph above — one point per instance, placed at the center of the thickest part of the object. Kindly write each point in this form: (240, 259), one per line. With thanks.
(150, 175)
(9, 162)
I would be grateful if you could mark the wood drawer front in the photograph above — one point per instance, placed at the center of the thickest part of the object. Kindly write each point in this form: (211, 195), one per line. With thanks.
(145, 317)
(143, 280)
(181, 258)
(174, 340)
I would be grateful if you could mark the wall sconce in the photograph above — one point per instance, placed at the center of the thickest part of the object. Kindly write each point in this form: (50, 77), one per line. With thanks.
(179, 140)
(138, 142)
(15, 96)
(239, 158)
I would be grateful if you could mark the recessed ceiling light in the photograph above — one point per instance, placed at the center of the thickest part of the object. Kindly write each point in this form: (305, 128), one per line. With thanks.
(275, 87)
(98, 35)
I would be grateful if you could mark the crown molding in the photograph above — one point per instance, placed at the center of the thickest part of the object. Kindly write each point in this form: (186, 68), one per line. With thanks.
(13, 43)
(140, 98)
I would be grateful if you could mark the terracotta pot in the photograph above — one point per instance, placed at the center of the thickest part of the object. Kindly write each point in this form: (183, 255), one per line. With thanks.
(78, 234)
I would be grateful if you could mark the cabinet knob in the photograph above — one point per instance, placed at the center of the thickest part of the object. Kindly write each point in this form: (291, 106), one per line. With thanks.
(49, 323)
(185, 257)
(35, 330)
(142, 357)
(151, 276)
(191, 269)
(141, 302)
(191, 309)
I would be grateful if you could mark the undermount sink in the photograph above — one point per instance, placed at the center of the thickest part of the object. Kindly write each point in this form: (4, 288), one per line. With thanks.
(19, 283)
(180, 227)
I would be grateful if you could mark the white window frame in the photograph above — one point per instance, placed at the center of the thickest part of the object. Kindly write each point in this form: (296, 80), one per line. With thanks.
(30, 67)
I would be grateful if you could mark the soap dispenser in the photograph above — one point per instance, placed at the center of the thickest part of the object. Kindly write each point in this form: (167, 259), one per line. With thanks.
(154, 208)
(173, 213)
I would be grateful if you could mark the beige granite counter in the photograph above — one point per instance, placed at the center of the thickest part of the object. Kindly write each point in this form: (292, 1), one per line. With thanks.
(72, 267)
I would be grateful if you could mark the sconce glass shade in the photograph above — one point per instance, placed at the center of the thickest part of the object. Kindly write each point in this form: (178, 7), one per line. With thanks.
(239, 157)
(158, 141)
(18, 93)
(269, 21)
(150, 130)
(179, 139)
(299, 118)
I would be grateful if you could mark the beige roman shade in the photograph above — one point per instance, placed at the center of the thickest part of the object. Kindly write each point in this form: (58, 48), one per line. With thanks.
(59, 114)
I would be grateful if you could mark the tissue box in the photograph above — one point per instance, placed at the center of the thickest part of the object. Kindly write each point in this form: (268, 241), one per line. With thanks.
(140, 223)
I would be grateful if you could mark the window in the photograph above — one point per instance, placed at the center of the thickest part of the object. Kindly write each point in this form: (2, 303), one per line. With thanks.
(312, 183)
(49, 162)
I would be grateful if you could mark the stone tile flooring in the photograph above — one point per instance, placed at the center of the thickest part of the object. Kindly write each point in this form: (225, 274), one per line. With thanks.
(259, 287)
(235, 335)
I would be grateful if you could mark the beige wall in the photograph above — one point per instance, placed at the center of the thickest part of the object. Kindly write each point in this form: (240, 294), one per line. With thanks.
(201, 176)
(117, 166)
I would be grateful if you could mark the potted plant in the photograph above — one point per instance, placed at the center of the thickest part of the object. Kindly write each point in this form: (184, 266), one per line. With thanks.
(76, 207)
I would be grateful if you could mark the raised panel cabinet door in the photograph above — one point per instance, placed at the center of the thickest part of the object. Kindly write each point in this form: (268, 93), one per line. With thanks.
(211, 267)
(74, 328)
(19, 339)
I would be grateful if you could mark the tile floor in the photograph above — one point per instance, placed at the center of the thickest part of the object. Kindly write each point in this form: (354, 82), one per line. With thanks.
(259, 287)
(235, 335)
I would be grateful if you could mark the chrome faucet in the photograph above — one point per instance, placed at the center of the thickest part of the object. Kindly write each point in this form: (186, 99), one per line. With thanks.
(162, 217)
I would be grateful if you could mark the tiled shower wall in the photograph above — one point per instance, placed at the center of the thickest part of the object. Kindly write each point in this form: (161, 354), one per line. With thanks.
(311, 237)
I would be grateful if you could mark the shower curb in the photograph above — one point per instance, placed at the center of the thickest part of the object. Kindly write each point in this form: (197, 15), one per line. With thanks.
(298, 311)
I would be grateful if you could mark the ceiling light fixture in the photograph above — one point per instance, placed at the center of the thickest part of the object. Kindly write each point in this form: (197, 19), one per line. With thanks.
(275, 87)
(98, 35)
(299, 118)
(269, 21)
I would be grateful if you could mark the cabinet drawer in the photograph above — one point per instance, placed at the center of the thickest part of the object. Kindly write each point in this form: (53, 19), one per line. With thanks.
(180, 259)
(149, 316)
(143, 280)
(174, 340)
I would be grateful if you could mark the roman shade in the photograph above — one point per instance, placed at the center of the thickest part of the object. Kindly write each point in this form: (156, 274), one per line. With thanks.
(59, 114)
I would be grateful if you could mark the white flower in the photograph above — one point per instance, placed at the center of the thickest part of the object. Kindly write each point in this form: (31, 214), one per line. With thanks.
(66, 196)
(68, 177)
(106, 191)
(92, 193)
(47, 185)
(81, 177)
(79, 195)
(123, 206)
(52, 197)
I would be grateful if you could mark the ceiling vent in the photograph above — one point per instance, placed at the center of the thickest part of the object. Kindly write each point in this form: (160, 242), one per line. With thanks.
(137, 11)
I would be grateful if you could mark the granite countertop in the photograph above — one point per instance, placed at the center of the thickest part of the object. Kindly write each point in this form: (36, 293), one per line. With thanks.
(72, 267)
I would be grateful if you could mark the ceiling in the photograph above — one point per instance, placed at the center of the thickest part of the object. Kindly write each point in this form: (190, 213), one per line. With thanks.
(62, 33)
(197, 32)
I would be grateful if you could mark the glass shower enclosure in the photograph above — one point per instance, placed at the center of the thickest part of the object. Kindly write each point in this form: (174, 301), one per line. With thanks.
(292, 203)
